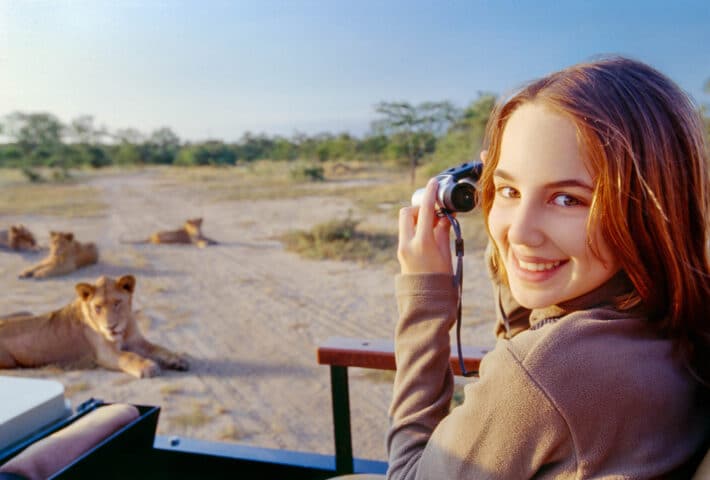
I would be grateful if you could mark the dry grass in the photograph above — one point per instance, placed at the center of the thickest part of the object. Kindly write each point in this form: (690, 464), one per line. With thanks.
(230, 432)
(76, 387)
(265, 180)
(170, 389)
(377, 376)
(66, 199)
(195, 416)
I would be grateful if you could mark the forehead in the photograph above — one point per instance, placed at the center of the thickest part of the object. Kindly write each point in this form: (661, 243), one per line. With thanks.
(106, 290)
(539, 144)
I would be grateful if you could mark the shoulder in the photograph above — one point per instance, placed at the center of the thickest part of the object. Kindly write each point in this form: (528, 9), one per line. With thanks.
(602, 359)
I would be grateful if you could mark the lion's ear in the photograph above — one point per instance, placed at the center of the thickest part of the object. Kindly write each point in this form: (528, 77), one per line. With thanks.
(14, 229)
(85, 291)
(53, 234)
(127, 283)
(69, 236)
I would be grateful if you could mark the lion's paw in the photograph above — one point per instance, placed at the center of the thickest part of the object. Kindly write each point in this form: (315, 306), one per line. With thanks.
(149, 369)
(177, 362)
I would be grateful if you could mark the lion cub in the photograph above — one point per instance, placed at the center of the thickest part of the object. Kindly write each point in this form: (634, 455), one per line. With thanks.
(65, 256)
(18, 237)
(191, 232)
(98, 325)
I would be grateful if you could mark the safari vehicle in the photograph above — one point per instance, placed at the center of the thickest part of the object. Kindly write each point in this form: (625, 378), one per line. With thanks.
(135, 451)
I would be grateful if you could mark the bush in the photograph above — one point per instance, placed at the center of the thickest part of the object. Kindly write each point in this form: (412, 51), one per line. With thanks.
(312, 173)
(32, 176)
(340, 240)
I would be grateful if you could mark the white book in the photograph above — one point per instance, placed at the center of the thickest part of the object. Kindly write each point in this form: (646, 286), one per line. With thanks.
(27, 405)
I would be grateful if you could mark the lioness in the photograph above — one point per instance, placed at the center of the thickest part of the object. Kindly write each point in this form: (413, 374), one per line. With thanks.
(98, 325)
(18, 237)
(65, 256)
(191, 232)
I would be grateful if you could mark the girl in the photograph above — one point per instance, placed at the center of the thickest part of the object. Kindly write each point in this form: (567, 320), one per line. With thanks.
(595, 195)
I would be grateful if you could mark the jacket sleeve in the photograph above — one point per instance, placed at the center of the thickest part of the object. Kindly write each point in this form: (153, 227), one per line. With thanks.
(506, 426)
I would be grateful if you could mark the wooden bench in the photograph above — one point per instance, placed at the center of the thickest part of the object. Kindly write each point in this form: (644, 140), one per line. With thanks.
(340, 353)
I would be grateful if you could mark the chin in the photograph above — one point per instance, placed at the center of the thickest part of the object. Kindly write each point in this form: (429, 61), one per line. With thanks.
(533, 300)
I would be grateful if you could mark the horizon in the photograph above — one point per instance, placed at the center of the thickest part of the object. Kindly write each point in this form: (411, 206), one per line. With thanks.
(218, 70)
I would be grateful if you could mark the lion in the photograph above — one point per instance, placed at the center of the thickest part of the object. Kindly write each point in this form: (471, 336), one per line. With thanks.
(190, 233)
(65, 256)
(98, 325)
(18, 237)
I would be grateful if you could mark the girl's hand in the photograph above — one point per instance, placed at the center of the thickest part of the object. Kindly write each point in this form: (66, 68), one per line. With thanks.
(424, 243)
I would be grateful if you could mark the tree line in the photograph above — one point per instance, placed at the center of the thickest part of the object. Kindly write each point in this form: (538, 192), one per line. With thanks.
(402, 133)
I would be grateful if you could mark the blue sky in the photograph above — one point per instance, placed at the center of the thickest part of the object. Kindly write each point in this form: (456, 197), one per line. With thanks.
(216, 69)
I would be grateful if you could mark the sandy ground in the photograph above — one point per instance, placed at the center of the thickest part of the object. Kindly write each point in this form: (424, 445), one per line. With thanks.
(248, 314)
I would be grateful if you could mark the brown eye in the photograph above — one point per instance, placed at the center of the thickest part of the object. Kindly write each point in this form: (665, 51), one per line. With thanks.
(97, 308)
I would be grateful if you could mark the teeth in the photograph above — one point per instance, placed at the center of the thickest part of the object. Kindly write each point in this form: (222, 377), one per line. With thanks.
(538, 267)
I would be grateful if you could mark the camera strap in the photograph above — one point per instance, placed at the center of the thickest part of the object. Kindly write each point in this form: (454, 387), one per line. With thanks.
(458, 278)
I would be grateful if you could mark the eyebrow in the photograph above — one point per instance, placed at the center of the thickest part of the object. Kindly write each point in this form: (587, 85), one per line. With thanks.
(561, 183)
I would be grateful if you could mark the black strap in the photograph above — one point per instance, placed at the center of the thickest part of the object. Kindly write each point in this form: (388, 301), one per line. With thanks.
(458, 278)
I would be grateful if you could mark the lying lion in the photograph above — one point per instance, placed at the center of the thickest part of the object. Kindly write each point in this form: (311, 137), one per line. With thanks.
(190, 233)
(65, 256)
(99, 325)
(18, 237)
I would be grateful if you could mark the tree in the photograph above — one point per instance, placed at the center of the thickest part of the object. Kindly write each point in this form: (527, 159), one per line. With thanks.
(37, 134)
(212, 152)
(162, 146)
(414, 126)
(83, 131)
(465, 137)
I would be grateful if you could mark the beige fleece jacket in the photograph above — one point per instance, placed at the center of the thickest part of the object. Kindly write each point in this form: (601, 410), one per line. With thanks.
(581, 391)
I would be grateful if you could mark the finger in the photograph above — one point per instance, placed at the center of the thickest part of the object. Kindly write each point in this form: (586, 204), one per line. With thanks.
(426, 210)
(407, 216)
(442, 237)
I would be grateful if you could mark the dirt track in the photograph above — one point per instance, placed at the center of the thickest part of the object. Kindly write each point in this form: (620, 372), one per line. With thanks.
(248, 313)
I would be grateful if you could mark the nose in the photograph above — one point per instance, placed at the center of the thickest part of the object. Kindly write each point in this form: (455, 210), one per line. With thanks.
(526, 226)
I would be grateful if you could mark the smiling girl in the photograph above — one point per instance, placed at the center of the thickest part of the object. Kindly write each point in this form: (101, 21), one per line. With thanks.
(595, 195)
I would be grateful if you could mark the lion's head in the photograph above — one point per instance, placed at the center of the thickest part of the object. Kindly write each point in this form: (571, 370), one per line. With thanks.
(20, 238)
(107, 305)
(59, 242)
(193, 227)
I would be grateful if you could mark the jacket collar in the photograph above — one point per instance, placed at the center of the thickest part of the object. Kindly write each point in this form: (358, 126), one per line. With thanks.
(603, 295)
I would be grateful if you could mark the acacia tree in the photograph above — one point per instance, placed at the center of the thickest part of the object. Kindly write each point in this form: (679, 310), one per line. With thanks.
(414, 126)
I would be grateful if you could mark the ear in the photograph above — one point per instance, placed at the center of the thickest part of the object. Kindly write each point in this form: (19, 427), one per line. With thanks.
(85, 291)
(53, 234)
(69, 236)
(14, 229)
(127, 283)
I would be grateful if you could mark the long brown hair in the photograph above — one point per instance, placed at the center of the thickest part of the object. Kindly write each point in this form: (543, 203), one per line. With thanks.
(643, 140)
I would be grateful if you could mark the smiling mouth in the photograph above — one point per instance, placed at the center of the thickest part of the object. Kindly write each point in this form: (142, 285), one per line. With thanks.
(539, 267)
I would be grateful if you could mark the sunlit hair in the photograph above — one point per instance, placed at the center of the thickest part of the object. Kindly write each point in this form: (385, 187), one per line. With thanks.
(642, 138)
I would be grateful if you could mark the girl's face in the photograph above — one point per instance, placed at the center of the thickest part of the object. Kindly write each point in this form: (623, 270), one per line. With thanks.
(539, 214)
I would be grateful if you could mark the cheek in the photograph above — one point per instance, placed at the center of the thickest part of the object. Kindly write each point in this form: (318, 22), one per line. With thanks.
(497, 224)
